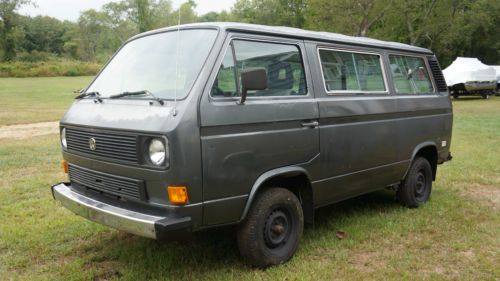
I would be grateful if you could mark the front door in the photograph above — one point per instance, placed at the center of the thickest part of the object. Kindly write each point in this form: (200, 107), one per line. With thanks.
(275, 127)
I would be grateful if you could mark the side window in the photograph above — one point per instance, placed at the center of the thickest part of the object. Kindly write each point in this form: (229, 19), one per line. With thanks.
(410, 75)
(225, 84)
(351, 72)
(282, 62)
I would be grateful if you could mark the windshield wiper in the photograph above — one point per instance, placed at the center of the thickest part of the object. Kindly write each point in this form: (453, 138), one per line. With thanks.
(137, 93)
(90, 94)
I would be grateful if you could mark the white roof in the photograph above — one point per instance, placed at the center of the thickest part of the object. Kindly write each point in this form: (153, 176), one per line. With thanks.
(468, 69)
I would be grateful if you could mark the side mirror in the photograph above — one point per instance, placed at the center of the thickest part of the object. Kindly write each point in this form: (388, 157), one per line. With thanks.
(252, 79)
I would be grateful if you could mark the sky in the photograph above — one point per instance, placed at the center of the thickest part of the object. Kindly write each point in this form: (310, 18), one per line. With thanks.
(70, 9)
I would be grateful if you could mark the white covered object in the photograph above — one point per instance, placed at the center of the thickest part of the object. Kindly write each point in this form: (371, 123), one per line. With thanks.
(497, 68)
(464, 70)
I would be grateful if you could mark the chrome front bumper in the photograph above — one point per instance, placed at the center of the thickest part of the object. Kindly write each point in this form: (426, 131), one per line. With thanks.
(122, 219)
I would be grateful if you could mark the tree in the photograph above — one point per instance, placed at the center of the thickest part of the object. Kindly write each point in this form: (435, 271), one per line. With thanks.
(43, 34)
(470, 29)
(450, 28)
(215, 17)
(370, 13)
(141, 10)
(345, 16)
(417, 14)
(149, 14)
(91, 35)
(8, 19)
(117, 19)
(187, 13)
(163, 14)
(270, 12)
(209, 17)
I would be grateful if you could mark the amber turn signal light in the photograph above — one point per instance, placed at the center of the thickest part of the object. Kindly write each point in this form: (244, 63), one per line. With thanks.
(178, 195)
(64, 164)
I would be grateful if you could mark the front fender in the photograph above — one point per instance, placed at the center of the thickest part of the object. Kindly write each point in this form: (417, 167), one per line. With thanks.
(284, 171)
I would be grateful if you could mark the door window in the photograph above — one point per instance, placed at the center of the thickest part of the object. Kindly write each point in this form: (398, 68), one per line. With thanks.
(225, 84)
(282, 62)
(351, 72)
(409, 75)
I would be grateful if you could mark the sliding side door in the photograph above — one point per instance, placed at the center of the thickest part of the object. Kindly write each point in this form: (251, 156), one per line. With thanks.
(357, 123)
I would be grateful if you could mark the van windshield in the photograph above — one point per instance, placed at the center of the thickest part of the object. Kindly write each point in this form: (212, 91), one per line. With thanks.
(149, 64)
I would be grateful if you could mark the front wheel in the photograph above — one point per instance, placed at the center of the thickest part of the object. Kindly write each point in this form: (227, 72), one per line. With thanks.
(272, 230)
(417, 185)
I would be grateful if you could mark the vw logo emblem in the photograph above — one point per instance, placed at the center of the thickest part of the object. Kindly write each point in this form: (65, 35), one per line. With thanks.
(92, 144)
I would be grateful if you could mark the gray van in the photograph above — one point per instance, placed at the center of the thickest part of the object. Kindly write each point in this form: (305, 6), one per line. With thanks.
(214, 124)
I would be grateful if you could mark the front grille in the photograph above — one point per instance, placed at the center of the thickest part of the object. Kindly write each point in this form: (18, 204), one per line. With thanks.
(438, 75)
(108, 184)
(112, 146)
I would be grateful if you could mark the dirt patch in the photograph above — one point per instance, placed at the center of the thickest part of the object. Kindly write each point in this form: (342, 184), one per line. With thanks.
(367, 262)
(104, 270)
(489, 195)
(25, 131)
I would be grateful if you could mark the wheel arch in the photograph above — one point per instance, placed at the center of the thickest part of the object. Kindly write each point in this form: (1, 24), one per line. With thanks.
(429, 151)
(295, 179)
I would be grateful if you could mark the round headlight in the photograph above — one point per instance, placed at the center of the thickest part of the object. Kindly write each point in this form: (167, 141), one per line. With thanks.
(157, 151)
(64, 143)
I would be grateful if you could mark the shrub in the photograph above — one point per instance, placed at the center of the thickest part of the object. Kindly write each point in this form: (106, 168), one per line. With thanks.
(49, 68)
(72, 72)
(34, 56)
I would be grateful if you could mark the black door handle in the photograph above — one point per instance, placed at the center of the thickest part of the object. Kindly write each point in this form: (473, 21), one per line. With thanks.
(312, 124)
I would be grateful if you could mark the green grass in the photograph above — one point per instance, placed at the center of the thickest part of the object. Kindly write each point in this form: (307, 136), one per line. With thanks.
(29, 100)
(456, 236)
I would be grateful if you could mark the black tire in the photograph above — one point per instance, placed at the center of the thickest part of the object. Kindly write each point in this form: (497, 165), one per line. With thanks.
(417, 186)
(272, 230)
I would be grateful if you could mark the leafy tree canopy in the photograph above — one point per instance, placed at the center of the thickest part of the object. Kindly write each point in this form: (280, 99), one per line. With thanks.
(449, 28)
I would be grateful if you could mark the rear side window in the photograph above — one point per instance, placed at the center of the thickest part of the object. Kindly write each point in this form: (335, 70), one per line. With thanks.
(351, 72)
(410, 75)
(282, 62)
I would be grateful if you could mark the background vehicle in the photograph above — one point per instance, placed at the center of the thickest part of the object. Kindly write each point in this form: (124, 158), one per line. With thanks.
(497, 69)
(469, 76)
(258, 126)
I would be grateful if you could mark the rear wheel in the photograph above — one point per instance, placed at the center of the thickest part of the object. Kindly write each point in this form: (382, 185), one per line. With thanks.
(271, 232)
(417, 186)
